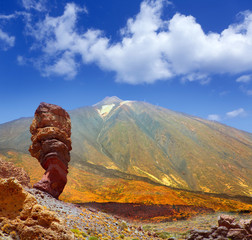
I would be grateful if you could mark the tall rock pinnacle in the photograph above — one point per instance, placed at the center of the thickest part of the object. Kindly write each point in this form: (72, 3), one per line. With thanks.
(51, 144)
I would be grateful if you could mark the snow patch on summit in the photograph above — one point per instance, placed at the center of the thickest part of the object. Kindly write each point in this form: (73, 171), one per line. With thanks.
(105, 110)
(126, 102)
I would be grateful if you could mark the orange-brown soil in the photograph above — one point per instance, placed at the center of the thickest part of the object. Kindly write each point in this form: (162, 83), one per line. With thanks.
(149, 213)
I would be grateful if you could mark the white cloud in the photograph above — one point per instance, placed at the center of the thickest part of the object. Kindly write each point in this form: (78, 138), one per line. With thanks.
(214, 117)
(21, 60)
(151, 48)
(246, 90)
(7, 17)
(60, 43)
(238, 112)
(244, 79)
(6, 41)
(65, 66)
(4, 18)
(39, 5)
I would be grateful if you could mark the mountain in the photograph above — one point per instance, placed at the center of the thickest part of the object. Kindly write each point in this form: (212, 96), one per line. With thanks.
(121, 145)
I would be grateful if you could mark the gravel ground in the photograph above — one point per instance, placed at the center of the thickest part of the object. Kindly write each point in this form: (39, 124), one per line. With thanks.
(88, 222)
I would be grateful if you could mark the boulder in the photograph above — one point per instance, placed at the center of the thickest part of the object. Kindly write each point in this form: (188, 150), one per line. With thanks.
(246, 224)
(237, 234)
(51, 145)
(222, 231)
(228, 229)
(225, 221)
(8, 169)
(21, 217)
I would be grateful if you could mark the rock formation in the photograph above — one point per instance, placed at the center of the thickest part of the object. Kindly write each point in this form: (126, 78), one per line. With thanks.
(51, 144)
(7, 170)
(21, 217)
(227, 229)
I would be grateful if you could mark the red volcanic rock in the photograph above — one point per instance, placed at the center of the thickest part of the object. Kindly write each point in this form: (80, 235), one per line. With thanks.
(50, 115)
(237, 234)
(8, 169)
(51, 144)
(228, 229)
(225, 221)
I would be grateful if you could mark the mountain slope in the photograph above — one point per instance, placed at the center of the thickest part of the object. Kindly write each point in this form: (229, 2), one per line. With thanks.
(137, 141)
(16, 135)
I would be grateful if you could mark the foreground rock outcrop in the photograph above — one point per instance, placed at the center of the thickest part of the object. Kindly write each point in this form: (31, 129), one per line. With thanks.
(8, 169)
(227, 229)
(51, 144)
(21, 217)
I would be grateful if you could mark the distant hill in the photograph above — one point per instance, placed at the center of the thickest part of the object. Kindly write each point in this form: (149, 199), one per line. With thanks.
(136, 142)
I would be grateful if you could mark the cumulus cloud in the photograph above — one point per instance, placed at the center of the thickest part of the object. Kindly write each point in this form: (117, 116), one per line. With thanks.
(236, 113)
(214, 117)
(60, 43)
(152, 47)
(6, 41)
(64, 66)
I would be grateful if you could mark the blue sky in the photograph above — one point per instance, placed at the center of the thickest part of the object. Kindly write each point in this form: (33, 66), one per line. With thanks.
(190, 56)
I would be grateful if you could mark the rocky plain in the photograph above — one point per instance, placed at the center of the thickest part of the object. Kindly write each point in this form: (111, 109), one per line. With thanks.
(28, 213)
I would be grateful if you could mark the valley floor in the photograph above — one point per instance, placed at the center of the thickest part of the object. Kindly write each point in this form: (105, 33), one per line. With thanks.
(88, 221)
(180, 229)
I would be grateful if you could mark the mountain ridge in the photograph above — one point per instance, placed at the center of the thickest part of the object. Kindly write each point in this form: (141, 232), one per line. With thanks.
(150, 144)
(120, 100)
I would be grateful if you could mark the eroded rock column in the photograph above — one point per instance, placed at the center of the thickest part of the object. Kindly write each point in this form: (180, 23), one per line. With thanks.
(51, 144)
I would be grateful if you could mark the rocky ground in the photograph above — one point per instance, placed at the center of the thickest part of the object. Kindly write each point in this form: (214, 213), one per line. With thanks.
(90, 223)
(23, 218)
(228, 228)
(182, 229)
(44, 217)
(8, 169)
